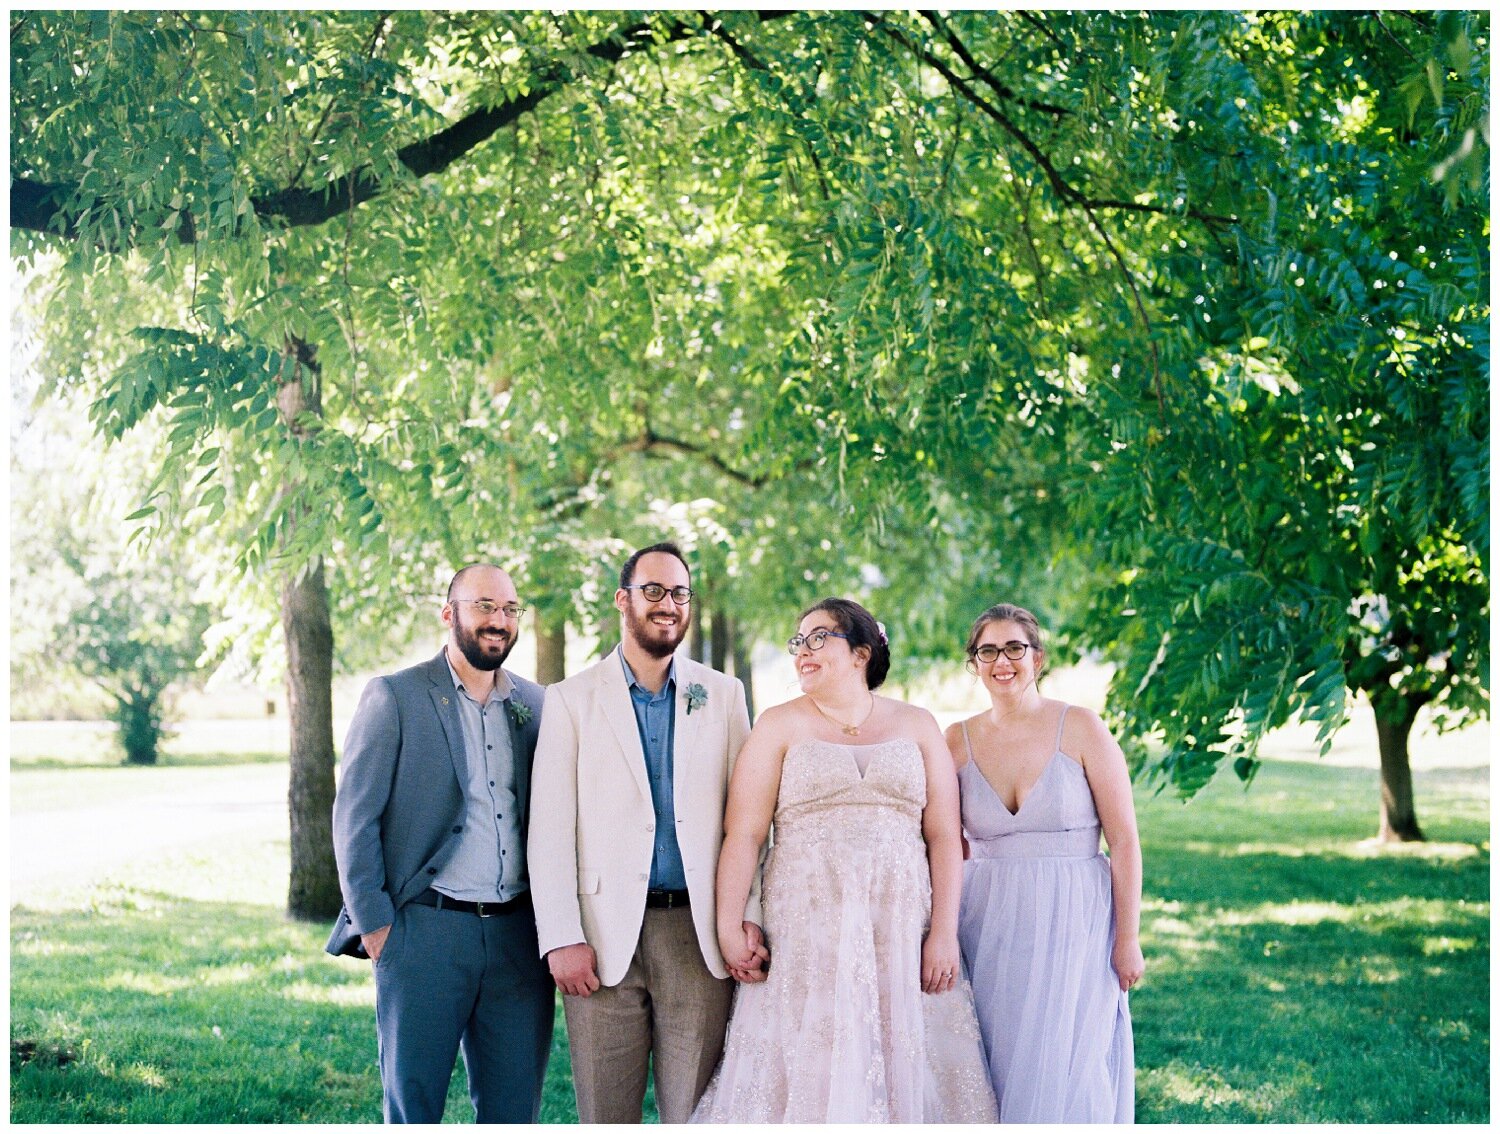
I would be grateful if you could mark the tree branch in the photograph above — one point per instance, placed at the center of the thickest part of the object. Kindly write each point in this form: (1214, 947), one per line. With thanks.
(650, 440)
(751, 62)
(983, 73)
(40, 206)
(1060, 186)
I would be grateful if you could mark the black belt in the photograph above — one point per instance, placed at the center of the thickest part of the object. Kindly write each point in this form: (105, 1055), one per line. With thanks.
(431, 897)
(666, 899)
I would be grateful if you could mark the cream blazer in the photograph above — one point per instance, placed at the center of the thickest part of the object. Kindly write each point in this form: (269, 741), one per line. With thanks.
(592, 822)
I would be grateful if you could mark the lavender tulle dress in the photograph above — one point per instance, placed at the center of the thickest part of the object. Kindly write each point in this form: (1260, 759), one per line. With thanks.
(1037, 930)
(841, 1030)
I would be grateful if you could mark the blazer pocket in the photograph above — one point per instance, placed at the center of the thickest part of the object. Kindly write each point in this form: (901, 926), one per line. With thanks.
(588, 881)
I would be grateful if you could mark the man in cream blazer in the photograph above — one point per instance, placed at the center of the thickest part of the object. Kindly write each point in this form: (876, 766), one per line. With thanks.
(628, 789)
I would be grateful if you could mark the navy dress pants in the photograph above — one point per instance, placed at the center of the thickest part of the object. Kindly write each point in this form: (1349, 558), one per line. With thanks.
(448, 980)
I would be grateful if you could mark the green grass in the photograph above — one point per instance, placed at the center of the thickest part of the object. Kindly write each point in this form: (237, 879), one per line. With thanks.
(1297, 975)
(1294, 975)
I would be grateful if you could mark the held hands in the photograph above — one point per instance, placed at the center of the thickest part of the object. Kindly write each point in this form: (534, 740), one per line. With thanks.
(744, 951)
(575, 969)
(374, 941)
(939, 963)
(1128, 961)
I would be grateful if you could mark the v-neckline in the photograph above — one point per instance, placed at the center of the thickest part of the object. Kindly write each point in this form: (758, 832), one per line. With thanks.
(862, 773)
(1021, 801)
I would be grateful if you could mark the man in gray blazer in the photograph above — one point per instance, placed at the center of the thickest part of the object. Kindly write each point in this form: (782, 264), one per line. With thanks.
(429, 829)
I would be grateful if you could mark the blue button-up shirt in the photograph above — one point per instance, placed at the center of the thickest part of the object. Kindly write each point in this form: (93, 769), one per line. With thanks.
(489, 864)
(655, 715)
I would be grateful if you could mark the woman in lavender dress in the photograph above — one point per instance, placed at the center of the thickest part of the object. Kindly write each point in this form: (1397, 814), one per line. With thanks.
(1049, 926)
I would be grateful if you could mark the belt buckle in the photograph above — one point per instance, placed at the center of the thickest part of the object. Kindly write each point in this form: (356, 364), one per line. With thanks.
(479, 909)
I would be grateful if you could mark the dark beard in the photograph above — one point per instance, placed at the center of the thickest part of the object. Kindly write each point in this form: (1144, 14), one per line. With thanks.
(642, 632)
(477, 653)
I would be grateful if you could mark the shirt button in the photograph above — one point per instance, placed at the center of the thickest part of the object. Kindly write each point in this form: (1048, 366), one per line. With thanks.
(643, 877)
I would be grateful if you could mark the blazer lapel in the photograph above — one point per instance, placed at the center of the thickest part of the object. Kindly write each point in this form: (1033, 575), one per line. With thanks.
(687, 728)
(518, 754)
(614, 700)
(445, 704)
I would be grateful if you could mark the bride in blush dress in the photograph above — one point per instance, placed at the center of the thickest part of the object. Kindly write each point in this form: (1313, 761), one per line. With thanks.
(1050, 928)
(864, 1015)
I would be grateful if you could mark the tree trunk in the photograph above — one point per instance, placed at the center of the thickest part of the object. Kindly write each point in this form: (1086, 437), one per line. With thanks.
(314, 888)
(718, 641)
(740, 649)
(695, 640)
(551, 651)
(140, 726)
(1394, 717)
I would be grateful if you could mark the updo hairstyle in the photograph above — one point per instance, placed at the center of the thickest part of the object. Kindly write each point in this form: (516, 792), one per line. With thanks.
(1007, 612)
(857, 622)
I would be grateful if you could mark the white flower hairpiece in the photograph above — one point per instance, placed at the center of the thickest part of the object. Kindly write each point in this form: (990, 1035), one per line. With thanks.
(884, 641)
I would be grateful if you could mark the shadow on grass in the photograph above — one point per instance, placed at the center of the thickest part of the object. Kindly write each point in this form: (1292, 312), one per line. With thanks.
(1314, 988)
(149, 1008)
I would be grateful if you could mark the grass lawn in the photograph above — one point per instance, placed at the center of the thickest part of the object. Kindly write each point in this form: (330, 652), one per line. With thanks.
(1293, 974)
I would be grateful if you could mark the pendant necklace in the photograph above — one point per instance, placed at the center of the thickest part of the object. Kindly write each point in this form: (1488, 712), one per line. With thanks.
(848, 729)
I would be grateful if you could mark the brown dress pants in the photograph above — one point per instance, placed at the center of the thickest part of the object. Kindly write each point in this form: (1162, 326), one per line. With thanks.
(668, 1006)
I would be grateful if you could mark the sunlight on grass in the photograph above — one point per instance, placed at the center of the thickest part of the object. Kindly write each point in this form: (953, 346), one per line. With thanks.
(142, 1075)
(345, 995)
(153, 984)
(1195, 1086)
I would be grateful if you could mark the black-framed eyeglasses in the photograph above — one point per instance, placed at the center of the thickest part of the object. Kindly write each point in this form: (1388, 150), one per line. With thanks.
(813, 641)
(1014, 651)
(486, 608)
(654, 592)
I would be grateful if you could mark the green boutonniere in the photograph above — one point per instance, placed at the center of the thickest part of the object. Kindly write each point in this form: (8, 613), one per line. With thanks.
(697, 697)
(521, 712)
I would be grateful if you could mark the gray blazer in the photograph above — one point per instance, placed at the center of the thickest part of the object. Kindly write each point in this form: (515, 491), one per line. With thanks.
(400, 798)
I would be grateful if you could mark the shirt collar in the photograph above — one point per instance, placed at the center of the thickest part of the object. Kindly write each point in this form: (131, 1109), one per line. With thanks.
(630, 675)
(503, 684)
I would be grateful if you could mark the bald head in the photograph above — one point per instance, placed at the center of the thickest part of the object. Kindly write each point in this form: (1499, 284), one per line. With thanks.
(466, 575)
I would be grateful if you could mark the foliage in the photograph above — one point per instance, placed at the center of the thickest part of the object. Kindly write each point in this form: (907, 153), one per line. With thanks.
(1171, 324)
(1305, 510)
(136, 635)
(85, 605)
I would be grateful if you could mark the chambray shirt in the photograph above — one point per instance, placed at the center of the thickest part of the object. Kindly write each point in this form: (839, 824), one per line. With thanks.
(490, 863)
(654, 719)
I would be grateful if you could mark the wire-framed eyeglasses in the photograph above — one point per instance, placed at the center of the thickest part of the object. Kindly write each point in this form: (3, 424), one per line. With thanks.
(485, 607)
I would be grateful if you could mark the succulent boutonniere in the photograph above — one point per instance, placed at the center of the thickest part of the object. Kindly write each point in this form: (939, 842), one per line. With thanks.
(697, 697)
(520, 712)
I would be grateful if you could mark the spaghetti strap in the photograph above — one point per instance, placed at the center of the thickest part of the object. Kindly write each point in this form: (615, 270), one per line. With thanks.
(968, 747)
(1057, 746)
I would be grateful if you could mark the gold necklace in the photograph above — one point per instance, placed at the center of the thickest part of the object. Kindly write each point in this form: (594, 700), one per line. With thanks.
(849, 729)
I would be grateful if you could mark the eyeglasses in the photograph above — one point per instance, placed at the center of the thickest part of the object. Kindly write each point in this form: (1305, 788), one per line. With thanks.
(654, 592)
(1015, 651)
(486, 608)
(813, 641)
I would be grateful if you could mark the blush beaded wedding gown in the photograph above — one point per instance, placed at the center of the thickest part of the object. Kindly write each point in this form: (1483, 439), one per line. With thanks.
(841, 1030)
